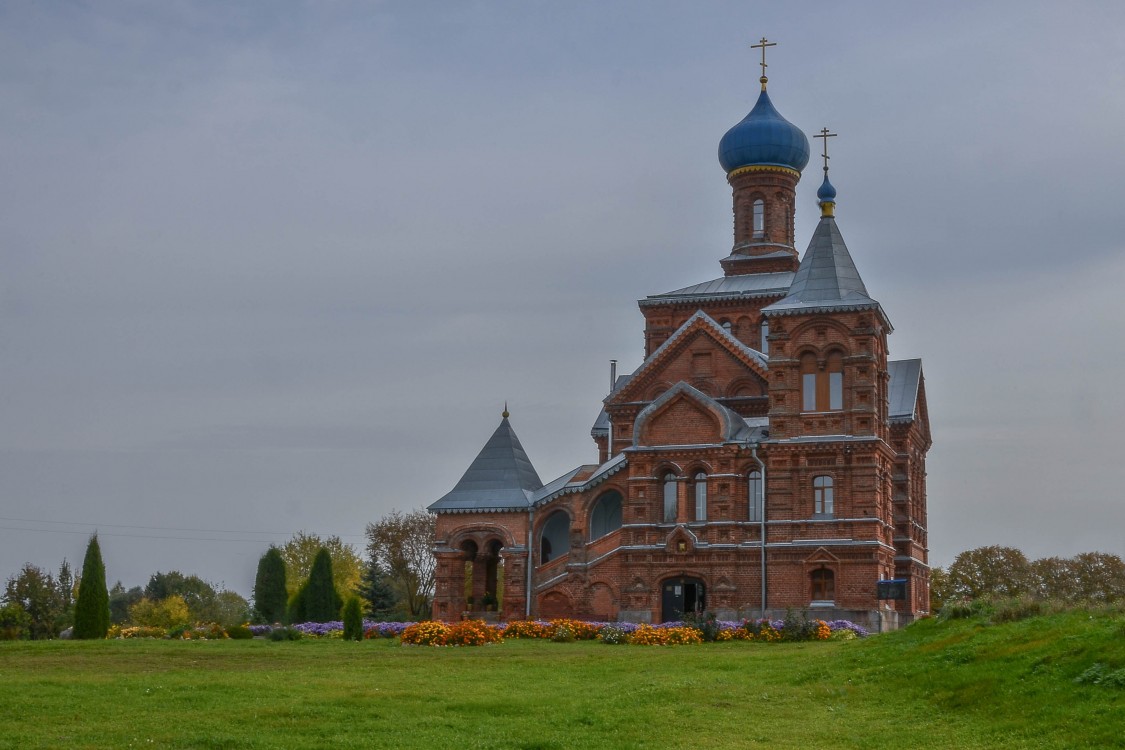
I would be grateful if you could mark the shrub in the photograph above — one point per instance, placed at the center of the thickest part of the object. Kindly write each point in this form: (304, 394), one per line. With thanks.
(471, 633)
(707, 625)
(15, 623)
(579, 629)
(613, 636)
(425, 634)
(527, 629)
(353, 620)
(270, 596)
(679, 635)
(764, 630)
(385, 629)
(239, 632)
(170, 612)
(285, 634)
(562, 633)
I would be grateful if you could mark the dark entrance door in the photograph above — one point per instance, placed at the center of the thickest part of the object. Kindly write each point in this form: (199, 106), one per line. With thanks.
(681, 596)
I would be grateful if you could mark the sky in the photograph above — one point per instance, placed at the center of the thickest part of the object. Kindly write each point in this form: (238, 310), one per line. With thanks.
(277, 267)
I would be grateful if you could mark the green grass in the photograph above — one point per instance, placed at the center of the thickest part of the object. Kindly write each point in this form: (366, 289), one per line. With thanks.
(962, 684)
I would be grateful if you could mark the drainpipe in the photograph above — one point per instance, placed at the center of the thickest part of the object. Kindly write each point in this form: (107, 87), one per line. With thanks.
(530, 559)
(762, 520)
(612, 383)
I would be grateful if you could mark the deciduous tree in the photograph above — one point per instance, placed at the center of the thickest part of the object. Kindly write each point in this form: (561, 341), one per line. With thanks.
(37, 593)
(401, 544)
(300, 551)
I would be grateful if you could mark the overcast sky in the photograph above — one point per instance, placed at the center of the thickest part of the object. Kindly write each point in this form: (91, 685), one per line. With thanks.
(271, 267)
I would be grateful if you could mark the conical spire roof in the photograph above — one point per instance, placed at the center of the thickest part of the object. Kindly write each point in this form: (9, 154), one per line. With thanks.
(501, 477)
(827, 278)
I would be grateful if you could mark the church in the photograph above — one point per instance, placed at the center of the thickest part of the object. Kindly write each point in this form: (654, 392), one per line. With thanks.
(766, 457)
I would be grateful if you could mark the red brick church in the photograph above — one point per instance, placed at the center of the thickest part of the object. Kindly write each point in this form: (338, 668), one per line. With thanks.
(766, 456)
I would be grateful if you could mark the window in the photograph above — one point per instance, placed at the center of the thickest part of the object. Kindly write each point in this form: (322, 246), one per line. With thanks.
(554, 539)
(822, 496)
(606, 516)
(755, 495)
(759, 219)
(669, 498)
(822, 384)
(765, 336)
(823, 585)
(700, 481)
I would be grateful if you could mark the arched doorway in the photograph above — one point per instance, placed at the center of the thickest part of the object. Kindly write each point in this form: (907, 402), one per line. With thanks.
(681, 596)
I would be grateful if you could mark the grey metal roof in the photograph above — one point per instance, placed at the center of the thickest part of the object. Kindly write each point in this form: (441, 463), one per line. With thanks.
(827, 278)
(501, 477)
(720, 332)
(728, 287)
(601, 424)
(564, 486)
(906, 375)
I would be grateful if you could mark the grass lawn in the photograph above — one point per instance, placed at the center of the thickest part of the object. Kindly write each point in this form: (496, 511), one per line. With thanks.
(963, 684)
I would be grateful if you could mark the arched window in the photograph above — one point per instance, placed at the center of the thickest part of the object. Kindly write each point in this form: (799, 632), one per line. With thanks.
(699, 482)
(822, 496)
(823, 585)
(554, 540)
(670, 486)
(759, 219)
(765, 337)
(822, 387)
(755, 495)
(606, 515)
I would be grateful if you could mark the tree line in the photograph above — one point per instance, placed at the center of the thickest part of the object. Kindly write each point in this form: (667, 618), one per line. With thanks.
(1005, 572)
(308, 578)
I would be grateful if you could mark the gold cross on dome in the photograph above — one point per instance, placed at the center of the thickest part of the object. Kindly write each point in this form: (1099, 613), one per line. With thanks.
(824, 135)
(762, 45)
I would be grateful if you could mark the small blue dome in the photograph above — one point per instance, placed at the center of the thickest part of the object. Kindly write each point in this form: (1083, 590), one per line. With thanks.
(826, 193)
(764, 138)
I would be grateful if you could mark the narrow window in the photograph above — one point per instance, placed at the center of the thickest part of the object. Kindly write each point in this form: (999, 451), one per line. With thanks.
(808, 382)
(835, 370)
(759, 219)
(822, 496)
(765, 336)
(669, 498)
(700, 496)
(755, 495)
(823, 585)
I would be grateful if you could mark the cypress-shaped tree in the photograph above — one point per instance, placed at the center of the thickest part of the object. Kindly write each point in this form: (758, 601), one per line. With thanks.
(318, 599)
(269, 587)
(91, 610)
(353, 620)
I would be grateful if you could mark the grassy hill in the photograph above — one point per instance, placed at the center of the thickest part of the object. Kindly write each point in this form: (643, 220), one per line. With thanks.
(1045, 682)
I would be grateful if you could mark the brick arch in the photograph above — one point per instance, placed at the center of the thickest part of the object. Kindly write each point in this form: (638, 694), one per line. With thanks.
(740, 386)
(480, 534)
(554, 604)
(837, 326)
(603, 601)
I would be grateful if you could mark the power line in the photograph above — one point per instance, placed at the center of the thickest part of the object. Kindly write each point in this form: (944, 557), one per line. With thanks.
(163, 528)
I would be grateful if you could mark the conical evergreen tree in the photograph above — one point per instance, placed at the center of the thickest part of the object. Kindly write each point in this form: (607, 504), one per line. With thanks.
(91, 611)
(353, 620)
(269, 587)
(318, 598)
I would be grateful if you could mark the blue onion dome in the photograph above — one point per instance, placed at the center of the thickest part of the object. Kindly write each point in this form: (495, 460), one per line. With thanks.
(826, 193)
(764, 138)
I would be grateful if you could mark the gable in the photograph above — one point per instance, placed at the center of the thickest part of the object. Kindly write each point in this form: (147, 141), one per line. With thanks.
(701, 353)
(682, 422)
(686, 416)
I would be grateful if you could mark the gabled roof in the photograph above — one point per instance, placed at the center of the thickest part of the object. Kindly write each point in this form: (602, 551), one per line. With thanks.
(742, 286)
(905, 376)
(699, 321)
(731, 424)
(566, 484)
(827, 279)
(501, 477)
(601, 424)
